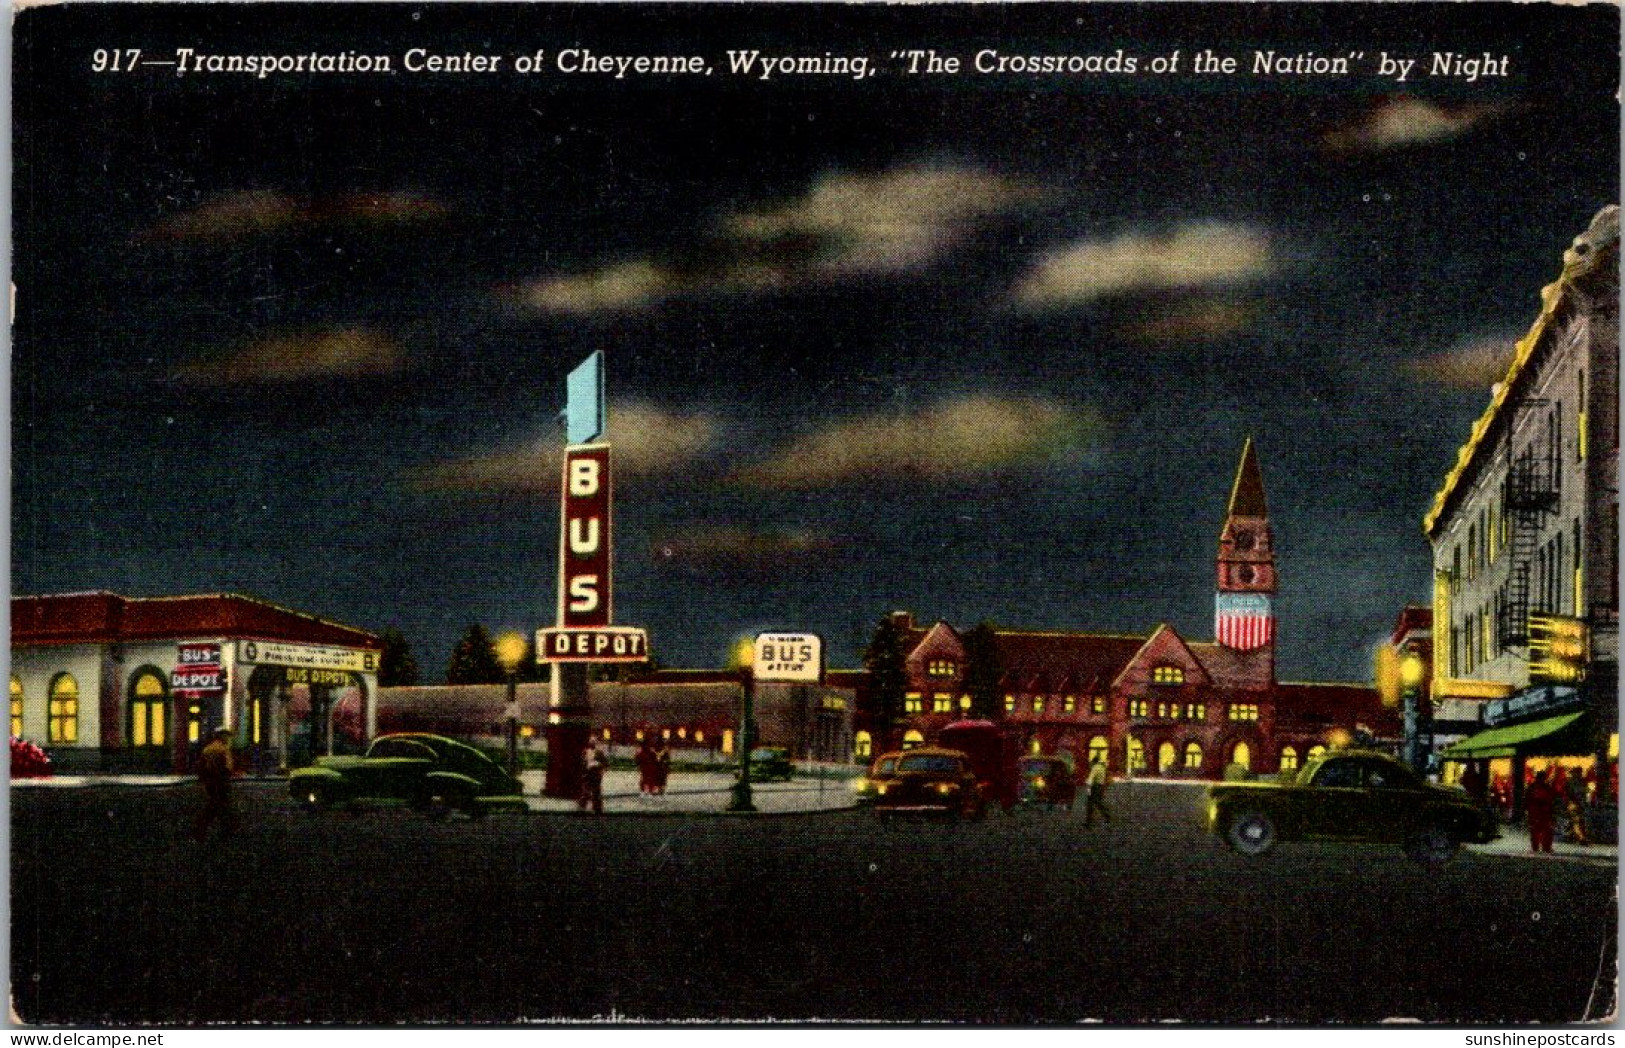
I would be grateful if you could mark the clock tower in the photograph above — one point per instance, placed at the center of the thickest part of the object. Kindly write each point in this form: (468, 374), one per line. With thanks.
(1244, 612)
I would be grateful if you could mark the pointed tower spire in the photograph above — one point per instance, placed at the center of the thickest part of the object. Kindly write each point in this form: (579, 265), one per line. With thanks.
(1247, 493)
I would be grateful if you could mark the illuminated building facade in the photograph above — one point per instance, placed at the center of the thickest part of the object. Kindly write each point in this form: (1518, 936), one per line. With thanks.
(105, 682)
(1525, 533)
(1158, 704)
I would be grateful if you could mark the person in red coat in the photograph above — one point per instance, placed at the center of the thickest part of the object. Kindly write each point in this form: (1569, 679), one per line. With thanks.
(646, 767)
(1538, 804)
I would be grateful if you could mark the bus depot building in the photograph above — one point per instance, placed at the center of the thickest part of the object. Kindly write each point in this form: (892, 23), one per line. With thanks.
(137, 684)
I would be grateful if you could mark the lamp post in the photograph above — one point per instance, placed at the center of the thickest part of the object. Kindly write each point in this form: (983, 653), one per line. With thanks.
(1410, 680)
(743, 656)
(510, 649)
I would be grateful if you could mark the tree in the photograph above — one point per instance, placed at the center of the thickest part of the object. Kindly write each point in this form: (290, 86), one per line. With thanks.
(888, 678)
(983, 670)
(529, 670)
(474, 660)
(396, 666)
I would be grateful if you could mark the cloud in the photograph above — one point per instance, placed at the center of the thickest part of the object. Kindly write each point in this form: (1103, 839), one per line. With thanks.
(1475, 364)
(648, 440)
(1193, 256)
(738, 548)
(302, 356)
(1399, 122)
(959, 438)
(261, 212)
(846, 226)
(1206, 320)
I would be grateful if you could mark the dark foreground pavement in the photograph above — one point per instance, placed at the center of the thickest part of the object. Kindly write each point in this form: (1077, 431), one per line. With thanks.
(383, 917)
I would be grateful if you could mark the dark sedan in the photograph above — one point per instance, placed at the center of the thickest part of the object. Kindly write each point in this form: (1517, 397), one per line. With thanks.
(929, 779)
(428, 772)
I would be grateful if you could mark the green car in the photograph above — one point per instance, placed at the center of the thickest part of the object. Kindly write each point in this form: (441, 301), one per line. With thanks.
(430, 773)
(1349, 795)
(770, 762)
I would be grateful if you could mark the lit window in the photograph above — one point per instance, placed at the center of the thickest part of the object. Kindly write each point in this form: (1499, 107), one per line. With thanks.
(964, 703)
(1069, 704)
(863, 745)
(912, 738)
(606, 734)
(16, 708)
(1136, 754)
(147, 705)
(1139, 708)
(1167, 675)
(1289, 759)
(1196, 711)
(727, 740)
(64, 710)
(1174, 711)
(1165, 758)
(699, 736)
(942, 702)
(1098, 705)
(1316, 751)
(1193, 757)
(912, 703)
(1038, 704)
(1242, 755)
(682, 733)
(940, 668)
(1162, 709)
(1009, 704)
(1034, 747)
(639, 735)
(1243, 711)
(1098, 748)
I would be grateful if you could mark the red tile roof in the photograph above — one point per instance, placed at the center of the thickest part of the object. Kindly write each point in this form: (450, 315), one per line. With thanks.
(101, 617)
(1087, 662)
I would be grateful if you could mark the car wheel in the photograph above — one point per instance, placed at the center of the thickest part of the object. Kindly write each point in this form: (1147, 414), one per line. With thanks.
(1251, 833)
(1432, 846)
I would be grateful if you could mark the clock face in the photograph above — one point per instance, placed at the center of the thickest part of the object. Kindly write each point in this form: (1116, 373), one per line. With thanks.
(1245, 574)
(1244, 539)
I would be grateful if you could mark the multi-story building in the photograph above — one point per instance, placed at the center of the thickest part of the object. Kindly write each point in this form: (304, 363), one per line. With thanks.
(1154, 704)
(1525, 533)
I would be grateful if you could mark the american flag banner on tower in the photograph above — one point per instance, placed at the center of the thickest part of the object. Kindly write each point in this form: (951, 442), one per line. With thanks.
(1244, 621)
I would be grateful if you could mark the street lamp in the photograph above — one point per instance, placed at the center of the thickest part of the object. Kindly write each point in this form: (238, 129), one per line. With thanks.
(510, 649)
(1410, 681)
(744, 654)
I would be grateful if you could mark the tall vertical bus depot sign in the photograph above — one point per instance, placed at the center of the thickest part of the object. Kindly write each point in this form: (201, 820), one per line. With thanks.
(584, 633)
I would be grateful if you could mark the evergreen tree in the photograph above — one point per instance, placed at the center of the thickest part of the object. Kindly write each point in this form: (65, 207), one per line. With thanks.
(888, 678)
(396, 666)
(529, 670)
(474, 660)
(983, 671)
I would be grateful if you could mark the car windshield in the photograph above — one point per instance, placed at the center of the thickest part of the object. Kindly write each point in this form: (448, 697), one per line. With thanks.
(1338, 773)
(1033, 769)
(886, 767)
(933, 764)
(765, 754)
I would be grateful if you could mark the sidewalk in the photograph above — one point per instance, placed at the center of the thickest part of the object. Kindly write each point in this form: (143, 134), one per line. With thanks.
(691, 793)
(1514, 840)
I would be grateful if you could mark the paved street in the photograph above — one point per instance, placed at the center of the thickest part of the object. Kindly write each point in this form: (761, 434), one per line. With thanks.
(384, 916)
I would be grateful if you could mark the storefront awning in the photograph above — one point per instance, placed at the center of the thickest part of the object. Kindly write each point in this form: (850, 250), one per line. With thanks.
(1536, 738)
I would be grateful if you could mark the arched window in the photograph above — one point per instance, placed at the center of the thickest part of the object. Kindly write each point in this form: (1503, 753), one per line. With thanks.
(1136, 755)
(1165, 758)
(1316, 751)
(1098, 749)
(16, 708)
(863, 746)
(1193, 757)
(1242, 755)
(148, 708)
(1034, 747)
(912, 738)
(64, 723)
(1289, 759)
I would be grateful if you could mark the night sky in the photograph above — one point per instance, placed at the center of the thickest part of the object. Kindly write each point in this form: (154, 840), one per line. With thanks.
(984, 346)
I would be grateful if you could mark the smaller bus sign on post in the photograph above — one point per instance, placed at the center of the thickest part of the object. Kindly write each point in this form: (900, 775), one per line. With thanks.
(788, 658)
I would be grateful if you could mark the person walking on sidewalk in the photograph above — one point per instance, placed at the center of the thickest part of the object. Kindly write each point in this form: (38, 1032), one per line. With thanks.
(1538, 806)
(592, 783)
(214, 770)
(646, 767)
(1098, 779)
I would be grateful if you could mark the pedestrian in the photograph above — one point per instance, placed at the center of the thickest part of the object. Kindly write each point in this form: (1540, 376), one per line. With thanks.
(1575, 803)
(1473, 781)
(592, 789)
(646, 767)
(662, 766)
(1098, 780)
(214, 770)
(1538, 804)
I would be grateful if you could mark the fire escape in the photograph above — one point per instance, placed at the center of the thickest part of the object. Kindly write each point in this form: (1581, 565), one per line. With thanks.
(1531, 494)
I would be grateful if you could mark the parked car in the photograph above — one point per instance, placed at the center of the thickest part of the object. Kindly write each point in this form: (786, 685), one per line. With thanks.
(931, 779)
(1047, 782)
(770, 762)
(882, 769)
(1349, 795)
(428, 772)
